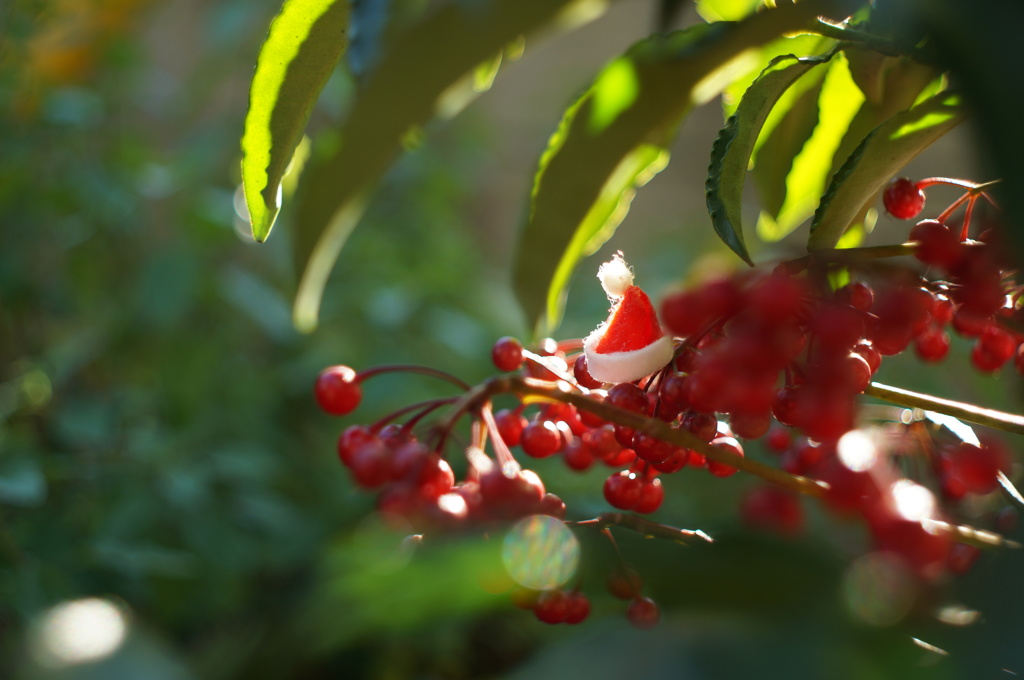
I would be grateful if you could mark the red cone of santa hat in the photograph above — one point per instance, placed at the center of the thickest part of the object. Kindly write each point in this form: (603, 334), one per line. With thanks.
(630, 344)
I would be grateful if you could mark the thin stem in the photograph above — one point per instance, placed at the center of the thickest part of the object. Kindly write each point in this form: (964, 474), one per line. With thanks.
(427, 406)
(972, 414)
(412, 368)
(641, 525)
(947, 181)
(506, 460)
(965, 230)
(944, 215)
(971, 536)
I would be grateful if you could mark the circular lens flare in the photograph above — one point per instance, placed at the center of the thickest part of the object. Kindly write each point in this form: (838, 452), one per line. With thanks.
(879, 589)
(540, 552)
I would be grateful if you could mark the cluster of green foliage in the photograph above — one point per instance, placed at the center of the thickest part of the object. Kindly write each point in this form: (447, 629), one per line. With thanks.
(827, 99)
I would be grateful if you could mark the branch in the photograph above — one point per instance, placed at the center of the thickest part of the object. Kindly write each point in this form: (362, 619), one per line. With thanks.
(972, 414)
(642, 525)
(476, 397)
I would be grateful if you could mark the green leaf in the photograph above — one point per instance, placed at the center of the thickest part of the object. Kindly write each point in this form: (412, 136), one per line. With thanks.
(789, 126)
(726, 10)
(879, 156)
(305, 41)
(838, 103)
(730, 154)
(413, 81)
(595, 149)
(799, 45)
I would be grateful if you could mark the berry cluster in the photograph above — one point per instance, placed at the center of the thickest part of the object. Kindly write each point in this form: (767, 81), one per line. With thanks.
(780, 357)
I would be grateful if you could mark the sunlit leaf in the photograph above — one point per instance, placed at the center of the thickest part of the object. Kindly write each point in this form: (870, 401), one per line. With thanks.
(726, 10)
(889, 85)
(873, 163)
(306, 40)
(787, 129)
(838, 103)
(584, 163)
(427, 70)
(730, 154)
(798, 45)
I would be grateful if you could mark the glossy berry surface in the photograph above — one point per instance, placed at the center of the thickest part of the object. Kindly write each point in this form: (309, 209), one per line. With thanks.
(507, 354)
(902, 199)
(337, 390)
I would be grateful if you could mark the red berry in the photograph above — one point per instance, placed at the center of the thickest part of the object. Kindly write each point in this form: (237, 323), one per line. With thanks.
(870, 354)
(510, 426)
(643, 613)
(651, 449)
(507, 354)
(932, 345)
(625, 583)
(993, 349)
(578, 608)
(779, 439)
(622, 490)
(541, 439)
(337, 390)
(682, 313)
(628, 397)
(729, 445)
(582, 374)
(970, 324)
(577, 455)
(510, 497)
(837, 327)
(552, 606)
(902, 199)
(936, 244)
(857, 294)
(703, 426)
(552, 505)
(351, 439)
(923, 549)
(434, 477)
(652, 493)
(673, 391)
(371, 464)
(407, 459)
(750, 424)
(979, 466)
(674, 463)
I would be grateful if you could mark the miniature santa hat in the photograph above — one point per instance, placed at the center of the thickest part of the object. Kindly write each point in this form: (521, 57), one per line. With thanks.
(630, 344)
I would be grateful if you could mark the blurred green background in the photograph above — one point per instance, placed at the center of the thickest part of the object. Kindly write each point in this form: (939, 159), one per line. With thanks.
(160, 448)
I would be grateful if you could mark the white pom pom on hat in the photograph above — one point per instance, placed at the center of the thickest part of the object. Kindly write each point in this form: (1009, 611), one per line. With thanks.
(616, 276)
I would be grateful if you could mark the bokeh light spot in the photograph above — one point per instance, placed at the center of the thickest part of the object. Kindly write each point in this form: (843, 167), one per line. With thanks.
(79, 631)
(857, 451)
(913, 501)
(879, 588)
(540, 552)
